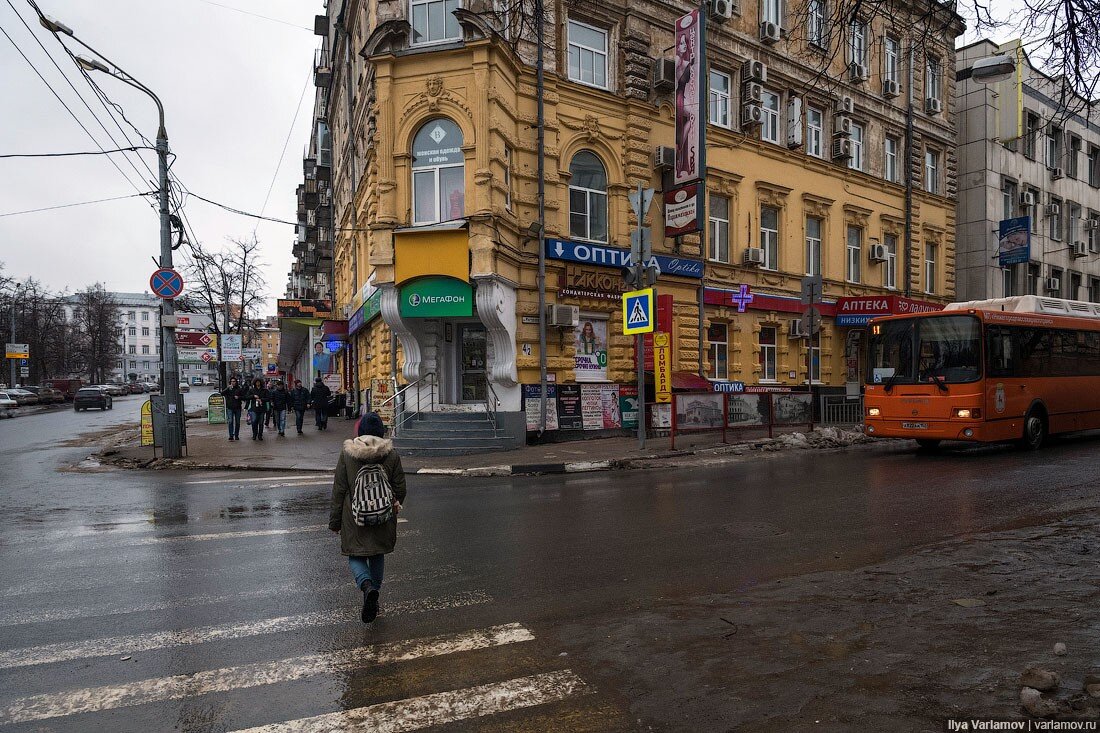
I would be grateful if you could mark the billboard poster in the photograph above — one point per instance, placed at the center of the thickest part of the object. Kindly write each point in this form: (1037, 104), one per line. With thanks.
(747, 410)
(322, 359)
(231, 347)
(304, 308)
(684, 210)
(699, 411)
(532, 409)
(381, 392)
(591, 407)
(1014, 242)
(570, 416)
(691, 98)
(590, 362)
(628, 405)
(609, 406)
(793, 409)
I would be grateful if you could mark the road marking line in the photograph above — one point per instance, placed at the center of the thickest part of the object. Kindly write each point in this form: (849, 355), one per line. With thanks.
(121, 645)
(440, 708)
(249, 480)
(137, 541)
(178, 687)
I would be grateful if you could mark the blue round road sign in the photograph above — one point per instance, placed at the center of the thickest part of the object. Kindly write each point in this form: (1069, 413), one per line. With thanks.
(166, 283)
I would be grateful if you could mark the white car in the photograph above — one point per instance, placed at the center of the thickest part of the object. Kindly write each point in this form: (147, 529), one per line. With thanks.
(7, 405)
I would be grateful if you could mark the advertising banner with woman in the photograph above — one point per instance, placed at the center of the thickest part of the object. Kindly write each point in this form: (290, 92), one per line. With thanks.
(691, 97)
(590, 362)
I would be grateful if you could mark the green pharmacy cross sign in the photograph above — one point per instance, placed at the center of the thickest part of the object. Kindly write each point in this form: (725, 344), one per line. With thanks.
(436, 297)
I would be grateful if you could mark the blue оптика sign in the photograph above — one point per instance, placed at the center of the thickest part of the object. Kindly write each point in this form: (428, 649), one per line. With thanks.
(591, 253)
(728, 387)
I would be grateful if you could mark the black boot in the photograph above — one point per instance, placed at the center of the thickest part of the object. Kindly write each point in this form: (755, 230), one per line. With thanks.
(370, 605)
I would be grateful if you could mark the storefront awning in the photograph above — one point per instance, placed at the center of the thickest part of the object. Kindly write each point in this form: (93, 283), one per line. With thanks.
(684, 382)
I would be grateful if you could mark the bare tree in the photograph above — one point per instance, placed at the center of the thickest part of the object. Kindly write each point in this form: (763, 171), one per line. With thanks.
(39, 317)
(96, 332)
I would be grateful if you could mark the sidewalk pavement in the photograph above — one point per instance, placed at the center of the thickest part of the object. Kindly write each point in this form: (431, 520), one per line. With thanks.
(209, 448)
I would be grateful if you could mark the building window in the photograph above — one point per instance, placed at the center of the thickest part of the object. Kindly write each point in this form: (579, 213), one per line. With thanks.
(439, 175)
(131, 315)
(813, 245)
(931, 171)
(587, 54)
(1008, 199)
(890, 160)
(133, 365)
(132, 331)
(815, 24)
(1074, 216)
(144, 330)
(1054, 219)
(1074, 292)
(145, 315)
(1032, 211)
(587, 197)
(767, 353)
(145, 365)
(145, 348)
(1072, 156)
(1008, 281)
(1094, 289)
(890, 267)
(718, 231)
(855, 252)
(433, 21)
(1094, 232)
(131, 349)
(1054, 147)
(815, 132)
(1031, 131)
(930, 268)
(769, 130)
(856, 161)
(771, 12)
(720, 85)
(769, 236)
(813, 355)
(857, 42)
(891, 54)
(508, 177)
(933, 78)
(718, 337)
(1092, 160)
(1032, 279)
(1056, 277)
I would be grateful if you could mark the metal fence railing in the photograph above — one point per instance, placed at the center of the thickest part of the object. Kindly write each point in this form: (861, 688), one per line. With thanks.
(841, 410)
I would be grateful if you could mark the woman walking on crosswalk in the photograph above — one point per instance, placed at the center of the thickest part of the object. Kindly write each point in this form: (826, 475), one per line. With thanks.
(367, 493)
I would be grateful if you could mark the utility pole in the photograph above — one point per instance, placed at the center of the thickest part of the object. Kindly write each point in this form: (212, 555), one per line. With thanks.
(641, 275)
(540, 89)
(15, 295)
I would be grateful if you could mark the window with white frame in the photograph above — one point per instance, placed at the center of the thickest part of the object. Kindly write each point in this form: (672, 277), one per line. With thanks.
(1056, 274)
(588, 54)
(1094, 289)
(890, 267)
(1008, 281)
(588, 197)
(1074, 211)
(891, 56)
(813, 245)
(768, 335)
(890, 159)
(145, 315)
(131, 315)
(854, 249)
(857, 42)
(769, 236)
(815, 24)
(930, 268)
(145, 348)
(1094, 232)
(439, 173)
(132, 331)
(718, 229)
(1008, 199)
(719, 92)
(131, 349)
(815, 132)
(933, 77)
(144, 330)
(769, 130)
(433, 21)
(931, 170)
(1073, 155)
(718, 350)
(1054, 219)
(856, 161)
(133, 365)
(1033, 272)
(1032, 210)
(1054, 146)
(771, 11)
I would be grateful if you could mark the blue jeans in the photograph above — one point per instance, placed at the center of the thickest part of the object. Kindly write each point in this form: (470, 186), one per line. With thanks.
(367, 570)
(299, 418)
(257, 417)
(233, 420)
(280, 420)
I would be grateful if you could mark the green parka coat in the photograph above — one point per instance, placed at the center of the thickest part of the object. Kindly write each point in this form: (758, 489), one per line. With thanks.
(372, 539)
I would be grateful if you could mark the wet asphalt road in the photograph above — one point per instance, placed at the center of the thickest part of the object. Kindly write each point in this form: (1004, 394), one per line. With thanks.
(200, 601)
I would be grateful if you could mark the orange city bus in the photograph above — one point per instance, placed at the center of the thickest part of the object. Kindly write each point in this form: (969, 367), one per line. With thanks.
(1010, 369)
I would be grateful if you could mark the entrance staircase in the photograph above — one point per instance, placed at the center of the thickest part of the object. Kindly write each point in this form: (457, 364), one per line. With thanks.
(450, 434)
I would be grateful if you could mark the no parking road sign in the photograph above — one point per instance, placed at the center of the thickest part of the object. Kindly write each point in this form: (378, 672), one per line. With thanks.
(638, 311)
(166, 283)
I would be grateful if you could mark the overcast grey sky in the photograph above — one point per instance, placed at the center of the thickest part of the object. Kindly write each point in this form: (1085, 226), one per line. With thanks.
(230, 83)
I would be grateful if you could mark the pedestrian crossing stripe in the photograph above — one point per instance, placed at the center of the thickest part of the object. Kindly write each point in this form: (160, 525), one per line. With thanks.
(638, 311)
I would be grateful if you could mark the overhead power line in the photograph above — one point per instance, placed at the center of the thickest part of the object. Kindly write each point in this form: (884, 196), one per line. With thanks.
(78, 203)
(286, 143)
(233, 210)
(257, 15)
(85, 152)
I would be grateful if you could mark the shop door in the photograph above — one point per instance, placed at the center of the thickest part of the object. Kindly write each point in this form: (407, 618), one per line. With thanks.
(471, 363)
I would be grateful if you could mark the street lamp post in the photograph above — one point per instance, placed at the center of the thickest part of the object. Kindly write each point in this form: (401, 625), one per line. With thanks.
(15, 296)
(173, 435)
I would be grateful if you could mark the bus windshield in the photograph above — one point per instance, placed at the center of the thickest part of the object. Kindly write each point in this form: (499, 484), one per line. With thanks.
(937, 350)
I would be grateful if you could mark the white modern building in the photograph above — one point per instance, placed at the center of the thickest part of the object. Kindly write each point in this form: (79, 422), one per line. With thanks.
(1027, 148)
(139, 318)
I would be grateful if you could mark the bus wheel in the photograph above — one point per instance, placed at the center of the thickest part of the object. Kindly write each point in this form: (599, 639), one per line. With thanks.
(928, 443)
(1035, 430)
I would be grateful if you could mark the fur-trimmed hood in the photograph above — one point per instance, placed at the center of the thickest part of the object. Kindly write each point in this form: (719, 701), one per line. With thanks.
(368, 448)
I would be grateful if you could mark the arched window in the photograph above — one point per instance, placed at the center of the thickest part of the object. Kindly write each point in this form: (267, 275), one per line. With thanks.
(587, 197)
(439, 178)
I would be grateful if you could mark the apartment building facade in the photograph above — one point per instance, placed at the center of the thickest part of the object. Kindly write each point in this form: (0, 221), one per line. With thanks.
(1027, 148)
(814, 132)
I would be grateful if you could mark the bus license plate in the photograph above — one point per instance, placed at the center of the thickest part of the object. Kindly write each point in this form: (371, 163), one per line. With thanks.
(915, 425)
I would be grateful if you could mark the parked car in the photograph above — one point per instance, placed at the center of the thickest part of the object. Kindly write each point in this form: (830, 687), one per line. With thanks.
(92, 397)
(67, 387)
(7, 404)
(46, 395)
(135, 388)
(151, 387)
(117, 390)
(23, 397)
(185, 387)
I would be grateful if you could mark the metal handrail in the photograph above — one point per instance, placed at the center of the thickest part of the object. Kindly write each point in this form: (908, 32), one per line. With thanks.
(401, 412)
(491, 404)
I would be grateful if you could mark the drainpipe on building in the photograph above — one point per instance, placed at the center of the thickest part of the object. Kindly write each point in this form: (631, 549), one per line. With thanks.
(352, 348)
(909, 181)
(540, 87)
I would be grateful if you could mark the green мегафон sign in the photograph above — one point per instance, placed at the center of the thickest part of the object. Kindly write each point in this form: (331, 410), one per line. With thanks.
(436, 297)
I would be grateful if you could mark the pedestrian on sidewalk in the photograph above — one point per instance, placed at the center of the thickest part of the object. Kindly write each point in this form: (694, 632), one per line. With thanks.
(280, 401)
(299, 400)
(233, 395)
(318, 396)
(367, 493)
(259, 402)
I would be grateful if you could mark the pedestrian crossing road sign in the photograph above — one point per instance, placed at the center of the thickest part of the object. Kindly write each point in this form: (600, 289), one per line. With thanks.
(638, 311)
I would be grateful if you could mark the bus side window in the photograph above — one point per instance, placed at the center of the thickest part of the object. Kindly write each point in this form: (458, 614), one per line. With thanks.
(1001, 355)
(1034, 352)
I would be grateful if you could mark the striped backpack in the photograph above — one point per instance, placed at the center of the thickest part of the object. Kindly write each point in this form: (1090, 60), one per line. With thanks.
(372, 496)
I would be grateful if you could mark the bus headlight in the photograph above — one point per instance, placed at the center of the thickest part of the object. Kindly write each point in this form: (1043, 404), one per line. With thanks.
(873, 412)
(967, 413)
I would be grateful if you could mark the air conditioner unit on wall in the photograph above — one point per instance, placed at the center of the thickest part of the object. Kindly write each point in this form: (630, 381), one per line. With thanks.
(664, 75)
(844, 105)
(890, 88)
(857, 72)
(933, 106)
(754, 256)
(754, 71)
(769, 32)
(563, 316)
(794, 328)
(842, 125)
(752, 93)
(1057, 174)
(751, 115)
(1091, 224)
(878, 252)
(1027, 198)
(1054, 284)
(1080, 249)
(664, 157)
(721, 10)
(1053, 210)
(842, 148)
